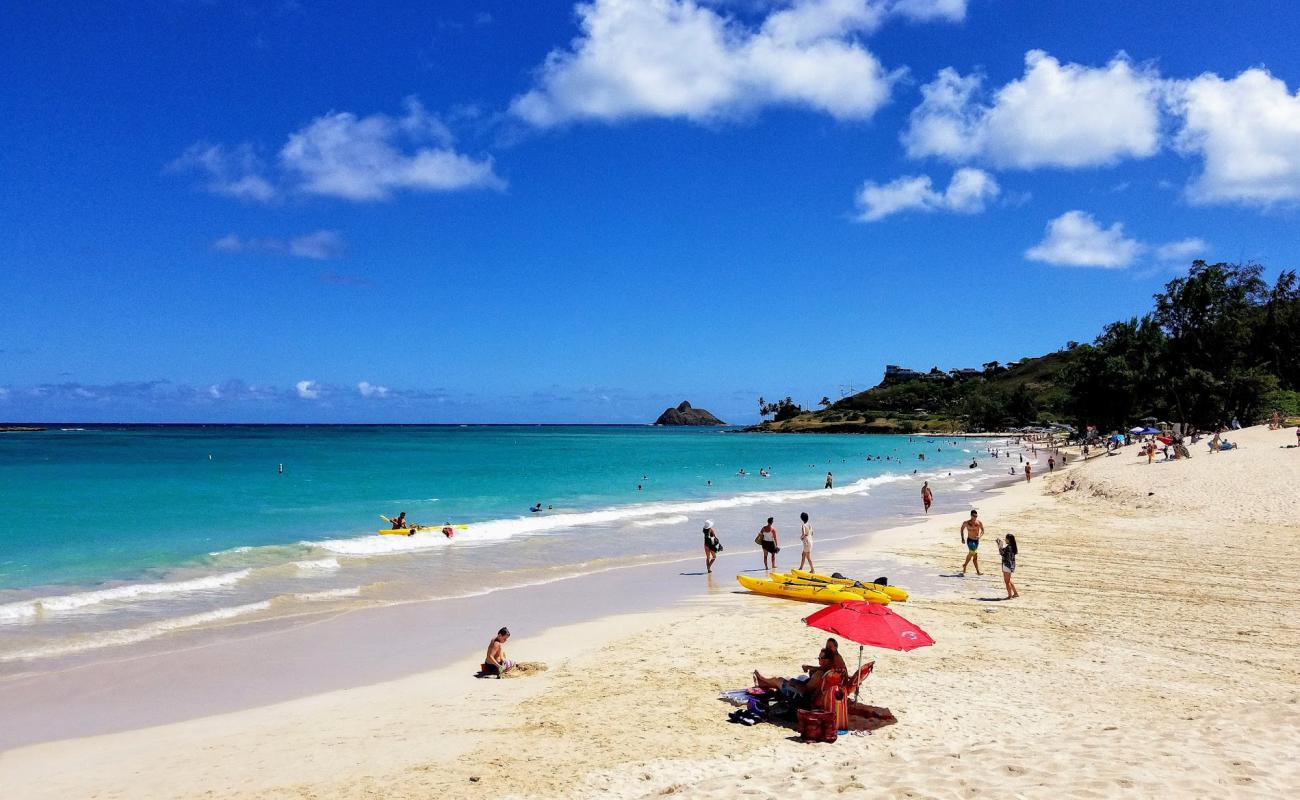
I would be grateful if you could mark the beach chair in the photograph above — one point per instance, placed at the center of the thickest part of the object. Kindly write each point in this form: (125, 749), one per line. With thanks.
(836, 691)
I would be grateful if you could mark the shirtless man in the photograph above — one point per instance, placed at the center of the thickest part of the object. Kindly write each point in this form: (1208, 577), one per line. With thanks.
(496, 663)
(927, 496)
(971, 531)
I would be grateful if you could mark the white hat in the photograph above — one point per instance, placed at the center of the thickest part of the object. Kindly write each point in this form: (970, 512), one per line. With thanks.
(708, 523)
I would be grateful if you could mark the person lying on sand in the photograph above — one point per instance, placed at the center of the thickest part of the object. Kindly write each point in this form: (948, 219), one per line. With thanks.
(496, 663)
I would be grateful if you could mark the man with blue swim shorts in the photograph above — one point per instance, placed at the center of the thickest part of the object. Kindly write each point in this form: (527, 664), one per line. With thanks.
(971, 531)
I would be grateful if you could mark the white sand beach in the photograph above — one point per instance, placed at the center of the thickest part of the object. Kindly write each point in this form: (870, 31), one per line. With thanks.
(1153, 653)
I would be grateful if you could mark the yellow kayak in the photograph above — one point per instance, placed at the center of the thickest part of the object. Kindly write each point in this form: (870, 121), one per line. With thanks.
(893, 592)
(797, 591)
(417, 529)
(867, 593)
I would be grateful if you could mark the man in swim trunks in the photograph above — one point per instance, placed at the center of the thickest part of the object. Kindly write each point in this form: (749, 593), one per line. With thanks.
(927, 496)
(399, 522)
(971, 531)
(830, 481)
(496, 663)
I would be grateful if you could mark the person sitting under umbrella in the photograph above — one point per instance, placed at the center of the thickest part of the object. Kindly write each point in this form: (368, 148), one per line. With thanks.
(799, 689)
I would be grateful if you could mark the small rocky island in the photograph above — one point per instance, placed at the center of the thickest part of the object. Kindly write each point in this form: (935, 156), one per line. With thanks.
(685, 415)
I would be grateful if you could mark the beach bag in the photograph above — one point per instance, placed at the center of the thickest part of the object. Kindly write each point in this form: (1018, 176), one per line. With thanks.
(817, 726)
(758, 540)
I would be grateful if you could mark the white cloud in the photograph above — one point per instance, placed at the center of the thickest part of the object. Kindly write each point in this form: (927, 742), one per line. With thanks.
(1181, 250)
(368, 158)
(1074, 239)
(349, 157)
(323, 245)
(1055, 115)
(308, 390)
(679, 59)
(924, 10)
(967, 193)
(234, 172)
(1248, 131)
(369, 389)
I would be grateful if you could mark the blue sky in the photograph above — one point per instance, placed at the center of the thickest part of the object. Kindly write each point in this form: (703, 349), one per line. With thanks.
(504, 211)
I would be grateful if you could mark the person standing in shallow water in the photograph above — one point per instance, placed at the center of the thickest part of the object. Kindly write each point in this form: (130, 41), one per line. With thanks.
(830, 481)
(711, 545)
(806, 537)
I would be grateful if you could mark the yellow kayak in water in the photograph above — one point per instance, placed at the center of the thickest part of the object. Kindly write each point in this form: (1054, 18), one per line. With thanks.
(871, 595)
(797, 591)
(418, 529)
(892, 592)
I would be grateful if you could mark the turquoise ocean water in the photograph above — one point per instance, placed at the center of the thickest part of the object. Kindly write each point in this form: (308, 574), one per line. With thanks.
(113, 535)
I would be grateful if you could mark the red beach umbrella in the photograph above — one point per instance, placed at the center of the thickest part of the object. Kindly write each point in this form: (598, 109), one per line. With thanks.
(868, 623)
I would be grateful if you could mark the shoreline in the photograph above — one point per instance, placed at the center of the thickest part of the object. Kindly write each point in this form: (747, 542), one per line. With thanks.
(240, 664)
(1079, 688)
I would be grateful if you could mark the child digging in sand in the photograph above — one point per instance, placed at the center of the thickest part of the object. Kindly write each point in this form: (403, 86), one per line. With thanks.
(496, 663)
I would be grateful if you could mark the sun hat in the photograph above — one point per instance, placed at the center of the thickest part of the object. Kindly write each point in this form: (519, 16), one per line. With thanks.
(708, 523)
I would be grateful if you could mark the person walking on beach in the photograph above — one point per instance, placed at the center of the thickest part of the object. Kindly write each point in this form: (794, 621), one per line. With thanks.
(806, 537)
(971, 531)
(927, 496)
(1051, 463)
(830, 481)
(711, 545)
(768, 541)
(495, 662)
(1008, 552)
(1028, 473)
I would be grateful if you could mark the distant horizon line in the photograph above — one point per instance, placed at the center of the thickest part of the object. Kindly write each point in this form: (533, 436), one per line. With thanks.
(362, 424)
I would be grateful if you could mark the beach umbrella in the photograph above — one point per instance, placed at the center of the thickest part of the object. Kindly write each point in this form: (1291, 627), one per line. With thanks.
(869, 624)
(1136, 431)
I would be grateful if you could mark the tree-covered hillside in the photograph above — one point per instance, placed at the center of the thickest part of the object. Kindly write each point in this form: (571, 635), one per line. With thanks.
(1220, 344)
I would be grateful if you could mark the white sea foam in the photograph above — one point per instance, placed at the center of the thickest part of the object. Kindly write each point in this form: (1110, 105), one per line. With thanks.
(675, 519)
(537, 524)
(135, 635)
(318, 565)
(327, 594)
(85, 601)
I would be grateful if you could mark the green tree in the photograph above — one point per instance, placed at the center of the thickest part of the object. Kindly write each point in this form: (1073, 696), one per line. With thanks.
(1210, 318)
(1120, 377)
